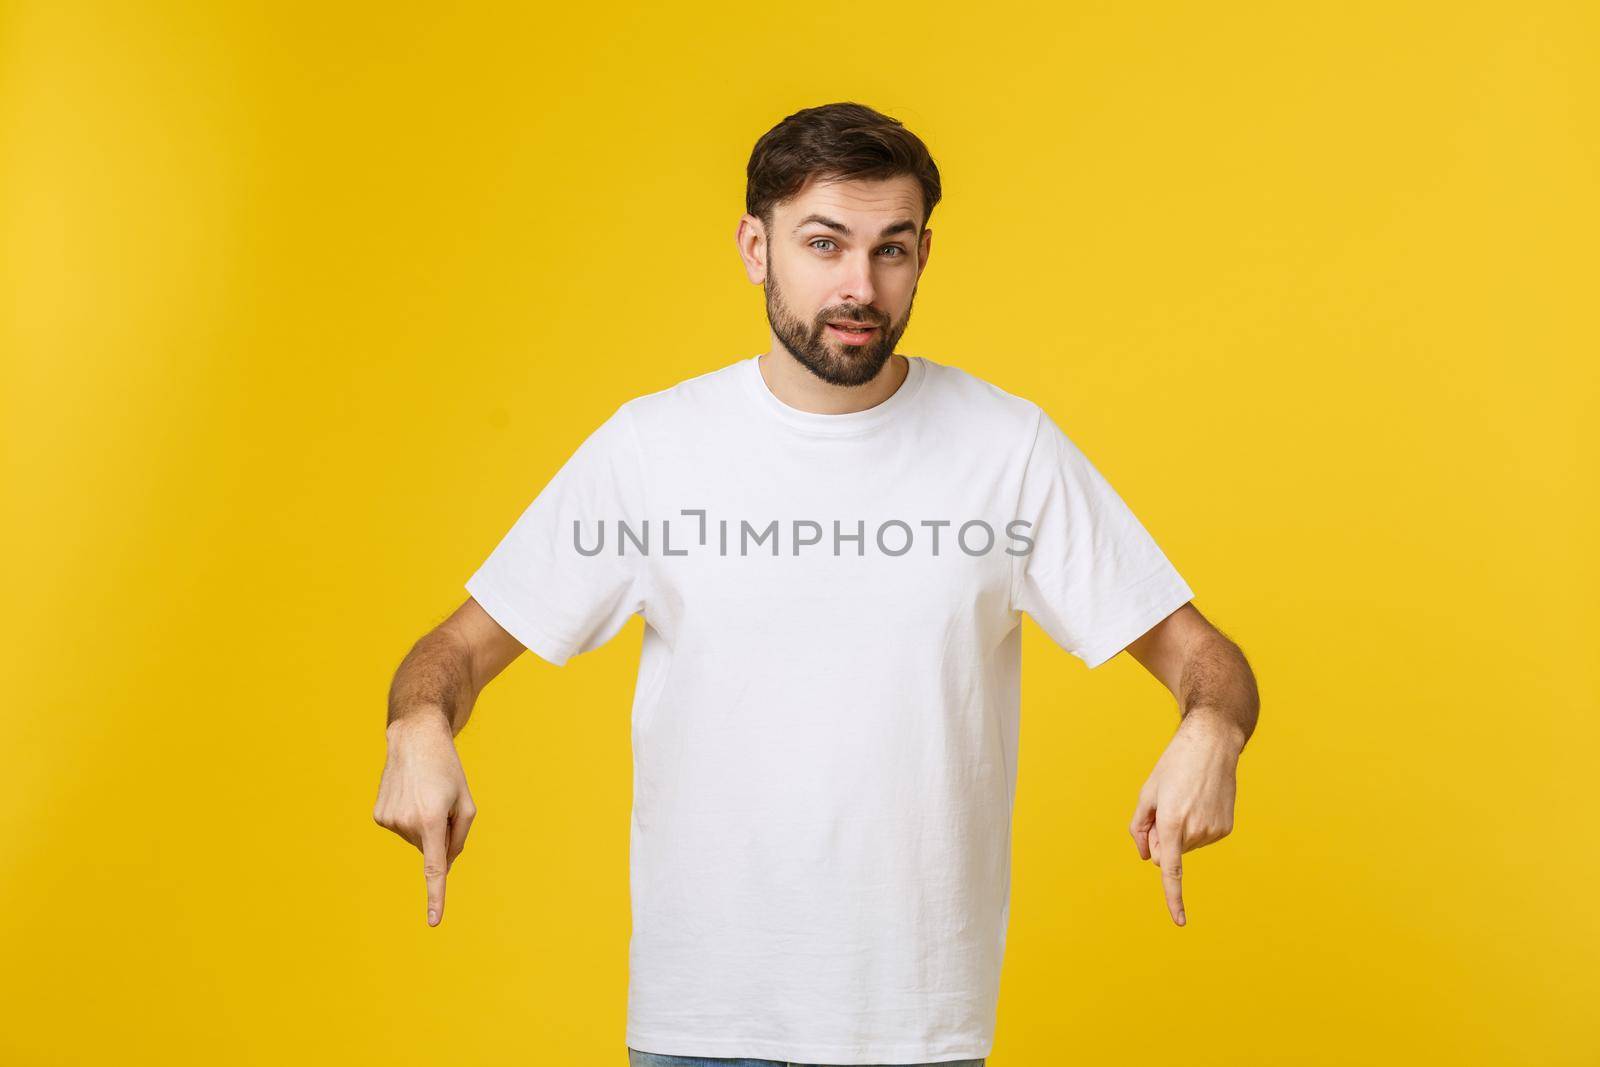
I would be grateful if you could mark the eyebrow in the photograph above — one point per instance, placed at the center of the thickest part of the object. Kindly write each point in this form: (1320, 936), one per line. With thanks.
(903, 226)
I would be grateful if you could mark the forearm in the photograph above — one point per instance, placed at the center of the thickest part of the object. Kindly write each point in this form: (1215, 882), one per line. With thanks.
(435, 678)
(1217, 690)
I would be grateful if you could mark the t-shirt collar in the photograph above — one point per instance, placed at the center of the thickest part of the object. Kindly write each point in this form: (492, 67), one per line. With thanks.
(850, 422)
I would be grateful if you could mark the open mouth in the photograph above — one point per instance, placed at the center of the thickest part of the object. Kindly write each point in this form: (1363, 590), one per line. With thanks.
(852, 334)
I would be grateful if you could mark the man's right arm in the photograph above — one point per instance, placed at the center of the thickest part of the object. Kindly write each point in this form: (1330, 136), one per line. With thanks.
(445, 671)
(423, 794)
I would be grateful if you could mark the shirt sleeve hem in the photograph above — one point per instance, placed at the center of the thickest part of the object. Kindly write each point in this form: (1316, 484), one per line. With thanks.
(1169, 598)
(534, 638)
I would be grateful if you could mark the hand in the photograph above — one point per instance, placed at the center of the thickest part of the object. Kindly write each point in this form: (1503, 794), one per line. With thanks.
(423, 797)
(1187, 801)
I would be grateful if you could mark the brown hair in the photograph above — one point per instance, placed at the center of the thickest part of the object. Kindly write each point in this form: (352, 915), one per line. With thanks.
(835, 141)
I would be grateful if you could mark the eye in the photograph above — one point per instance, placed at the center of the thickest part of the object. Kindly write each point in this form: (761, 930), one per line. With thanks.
(899, 253)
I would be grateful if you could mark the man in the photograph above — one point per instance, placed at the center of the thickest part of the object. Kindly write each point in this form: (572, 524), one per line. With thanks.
(832, 545)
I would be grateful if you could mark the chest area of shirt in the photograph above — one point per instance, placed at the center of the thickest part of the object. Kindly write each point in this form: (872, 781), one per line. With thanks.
(916, 530)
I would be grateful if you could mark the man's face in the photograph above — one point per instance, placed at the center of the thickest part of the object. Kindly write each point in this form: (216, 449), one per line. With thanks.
(845, 252)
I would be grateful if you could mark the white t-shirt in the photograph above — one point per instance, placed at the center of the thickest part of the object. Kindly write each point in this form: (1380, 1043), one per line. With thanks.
(826, 715)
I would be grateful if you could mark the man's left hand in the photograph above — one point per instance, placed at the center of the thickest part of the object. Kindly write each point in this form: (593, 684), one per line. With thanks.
(1187, 801)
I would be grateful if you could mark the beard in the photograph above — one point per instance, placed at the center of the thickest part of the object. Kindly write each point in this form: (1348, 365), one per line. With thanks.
(824, 353)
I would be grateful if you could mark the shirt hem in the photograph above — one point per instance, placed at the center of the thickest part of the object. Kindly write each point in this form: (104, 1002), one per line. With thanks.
(532, 638)
(1134, 626)
(666, 1044)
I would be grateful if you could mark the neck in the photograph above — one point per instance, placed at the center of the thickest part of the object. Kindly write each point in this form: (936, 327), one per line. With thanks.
(796, 386)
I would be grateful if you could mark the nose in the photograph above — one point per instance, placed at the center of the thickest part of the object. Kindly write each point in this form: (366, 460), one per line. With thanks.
(856, 286)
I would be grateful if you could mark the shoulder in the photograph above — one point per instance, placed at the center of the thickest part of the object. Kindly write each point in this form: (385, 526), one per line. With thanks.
(691, 399)
(967, 399)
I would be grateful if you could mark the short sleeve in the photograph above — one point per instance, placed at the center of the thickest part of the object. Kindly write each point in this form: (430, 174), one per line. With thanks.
(1094, 579)
(558, 581)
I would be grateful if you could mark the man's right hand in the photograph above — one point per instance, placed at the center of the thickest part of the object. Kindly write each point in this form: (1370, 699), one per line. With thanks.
(423, 797)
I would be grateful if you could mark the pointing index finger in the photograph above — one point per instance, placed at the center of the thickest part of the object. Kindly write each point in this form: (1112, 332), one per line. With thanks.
(434, 867)
(1172, 871)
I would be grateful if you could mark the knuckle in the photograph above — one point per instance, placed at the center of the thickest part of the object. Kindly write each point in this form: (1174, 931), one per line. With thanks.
(433, 870)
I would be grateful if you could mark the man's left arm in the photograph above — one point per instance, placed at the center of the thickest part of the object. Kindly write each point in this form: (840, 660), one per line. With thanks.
(1188, 799)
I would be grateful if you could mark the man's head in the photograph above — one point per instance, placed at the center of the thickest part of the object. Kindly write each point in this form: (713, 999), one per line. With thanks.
(837, 204)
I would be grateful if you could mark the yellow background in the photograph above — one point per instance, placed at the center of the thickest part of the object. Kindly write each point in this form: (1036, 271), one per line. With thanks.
(303, 304)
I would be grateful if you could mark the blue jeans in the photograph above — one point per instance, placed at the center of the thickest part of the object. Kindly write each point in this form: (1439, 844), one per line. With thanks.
(652, 1059)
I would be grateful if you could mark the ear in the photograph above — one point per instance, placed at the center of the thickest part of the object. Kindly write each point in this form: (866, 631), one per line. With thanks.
(924, 251)
(751, 239)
